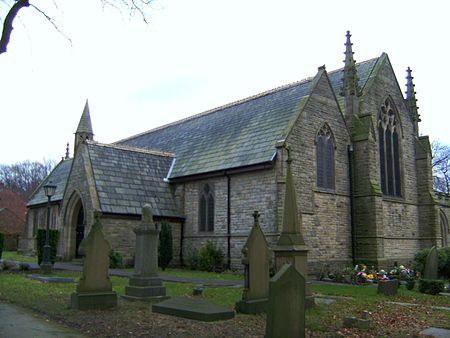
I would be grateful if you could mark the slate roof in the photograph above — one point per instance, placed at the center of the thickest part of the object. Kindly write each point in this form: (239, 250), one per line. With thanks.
(127, 178)
(240, 134)
(58, 177)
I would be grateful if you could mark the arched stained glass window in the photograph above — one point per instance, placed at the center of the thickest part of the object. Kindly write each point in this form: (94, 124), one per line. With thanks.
(388, 142)
(325, 158)
(206, 210)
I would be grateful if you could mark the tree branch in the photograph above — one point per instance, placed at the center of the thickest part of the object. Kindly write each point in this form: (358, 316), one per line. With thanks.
(7, 24)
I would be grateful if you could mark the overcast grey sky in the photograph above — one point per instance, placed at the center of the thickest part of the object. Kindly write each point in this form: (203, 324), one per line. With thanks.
(196, 55)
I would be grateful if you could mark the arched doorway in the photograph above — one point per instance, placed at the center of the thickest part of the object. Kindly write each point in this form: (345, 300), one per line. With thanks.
(444, 229)
(74, 226)
(79, 230)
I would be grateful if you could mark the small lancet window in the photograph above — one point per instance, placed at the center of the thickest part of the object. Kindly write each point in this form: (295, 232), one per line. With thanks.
(206, 210)
(325, 158)
(388, 143)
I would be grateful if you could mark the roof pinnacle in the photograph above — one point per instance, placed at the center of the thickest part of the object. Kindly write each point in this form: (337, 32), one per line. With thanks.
(67, 152)
(350, 79)
(411, 100)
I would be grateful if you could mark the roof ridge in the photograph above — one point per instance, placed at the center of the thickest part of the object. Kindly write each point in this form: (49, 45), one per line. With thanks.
(356, 64)
(133, 149)
(216, 109)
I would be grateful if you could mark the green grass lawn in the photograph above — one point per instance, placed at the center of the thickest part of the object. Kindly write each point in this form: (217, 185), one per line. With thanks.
(16, 257)
(351, 300)
(387, 319)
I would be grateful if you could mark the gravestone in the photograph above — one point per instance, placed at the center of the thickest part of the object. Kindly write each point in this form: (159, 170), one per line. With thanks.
(291, 247)
(94, 289)
(388, 287)
(360, 323)
(256, 255)
(193, 308)
(286, 308)
(431, 265)
(145, 283)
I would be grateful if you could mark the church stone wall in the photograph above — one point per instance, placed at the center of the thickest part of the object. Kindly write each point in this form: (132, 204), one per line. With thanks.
(250, 191)
(325, 213)
(119, 232)
(398, 227)
(79, 186)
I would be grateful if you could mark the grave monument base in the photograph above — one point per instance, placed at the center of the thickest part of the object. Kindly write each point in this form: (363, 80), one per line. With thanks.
(253, 306)
(144, 288)
(93, 300)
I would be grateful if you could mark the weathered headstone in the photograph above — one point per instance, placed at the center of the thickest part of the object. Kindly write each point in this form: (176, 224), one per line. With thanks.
(291, 248)
(94, 289)
(431, 265)
(145, 283)
(256, 255)
(286, 310)
(388, 287)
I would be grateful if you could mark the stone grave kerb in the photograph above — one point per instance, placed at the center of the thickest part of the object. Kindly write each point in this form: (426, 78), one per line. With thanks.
(286, 308)
(256, 257)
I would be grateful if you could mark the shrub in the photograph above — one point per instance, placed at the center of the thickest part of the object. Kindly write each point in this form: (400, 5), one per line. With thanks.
(443, 261)
(431, 286)
(53, 241)
(115, 259)
(1, 245)
(192, 260)
(165, 253)
(410, 283)
(210, 258)
(445, 266)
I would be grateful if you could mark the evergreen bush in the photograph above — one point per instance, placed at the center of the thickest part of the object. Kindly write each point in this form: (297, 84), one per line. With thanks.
(192, 260)
(1, 245)
(410, 283)
(443, 261)
(115, 260)
(431, 286)
(53, 241)
(165, 253)
(210, 258)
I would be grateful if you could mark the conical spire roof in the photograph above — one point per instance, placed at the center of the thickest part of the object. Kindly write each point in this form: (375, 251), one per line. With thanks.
(350, 79)
(85, 125)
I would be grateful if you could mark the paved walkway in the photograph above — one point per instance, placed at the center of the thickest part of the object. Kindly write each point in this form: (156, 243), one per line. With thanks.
(17, 322)
(77, 266)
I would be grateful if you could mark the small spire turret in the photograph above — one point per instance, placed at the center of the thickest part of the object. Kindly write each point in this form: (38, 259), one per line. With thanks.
(84, 131)
(350, 79)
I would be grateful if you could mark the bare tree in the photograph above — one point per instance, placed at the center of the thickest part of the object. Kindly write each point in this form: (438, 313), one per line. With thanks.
(441, 166)
(24, 177)
(132, 7)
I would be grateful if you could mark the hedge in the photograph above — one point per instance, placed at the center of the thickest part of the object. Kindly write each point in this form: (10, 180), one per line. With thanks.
(53, 241)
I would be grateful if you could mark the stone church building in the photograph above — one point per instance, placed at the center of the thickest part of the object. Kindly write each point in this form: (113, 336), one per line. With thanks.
(362, 173)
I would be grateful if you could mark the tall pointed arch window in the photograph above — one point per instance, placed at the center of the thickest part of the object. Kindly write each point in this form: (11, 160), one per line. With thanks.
(206, 210)
(325, 158)
(388, 139)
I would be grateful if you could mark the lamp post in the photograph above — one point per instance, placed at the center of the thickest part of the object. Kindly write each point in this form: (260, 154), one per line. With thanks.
(46, 265)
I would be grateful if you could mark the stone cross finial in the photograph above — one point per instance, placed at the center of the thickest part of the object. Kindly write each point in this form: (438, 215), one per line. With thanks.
(256, 217)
